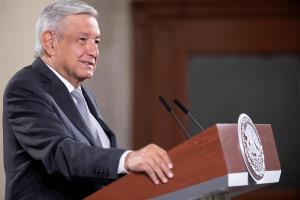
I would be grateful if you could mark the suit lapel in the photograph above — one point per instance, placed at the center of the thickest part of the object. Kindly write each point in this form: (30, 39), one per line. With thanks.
(95, 112)
(62, 97)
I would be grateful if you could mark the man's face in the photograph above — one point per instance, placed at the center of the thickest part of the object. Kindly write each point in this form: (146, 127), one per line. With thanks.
(77, 52)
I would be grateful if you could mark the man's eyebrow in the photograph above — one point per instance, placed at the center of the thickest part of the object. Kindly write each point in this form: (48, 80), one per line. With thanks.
(98, 36)
(81, 34)
(86, 35)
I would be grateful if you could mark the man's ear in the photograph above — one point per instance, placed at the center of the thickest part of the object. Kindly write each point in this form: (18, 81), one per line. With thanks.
(49, 41)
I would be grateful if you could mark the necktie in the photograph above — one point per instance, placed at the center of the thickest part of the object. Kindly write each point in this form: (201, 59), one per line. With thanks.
(85, 114)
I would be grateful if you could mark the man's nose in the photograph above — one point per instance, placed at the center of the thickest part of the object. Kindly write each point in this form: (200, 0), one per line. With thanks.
(92, 48)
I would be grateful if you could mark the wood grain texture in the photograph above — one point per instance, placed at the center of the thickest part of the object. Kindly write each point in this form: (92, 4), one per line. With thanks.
(209, 155)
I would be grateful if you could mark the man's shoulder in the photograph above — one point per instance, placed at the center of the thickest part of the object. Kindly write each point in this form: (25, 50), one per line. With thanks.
(26, 74)
(31, 72)
(26, 78)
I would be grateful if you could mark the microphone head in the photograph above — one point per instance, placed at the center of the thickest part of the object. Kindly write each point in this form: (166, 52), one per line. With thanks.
(164, 103)
(182, 107)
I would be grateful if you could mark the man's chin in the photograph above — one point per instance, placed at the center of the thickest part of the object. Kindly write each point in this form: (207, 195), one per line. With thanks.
(88, 76)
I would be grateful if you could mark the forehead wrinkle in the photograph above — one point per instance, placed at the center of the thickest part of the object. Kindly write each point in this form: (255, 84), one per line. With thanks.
(70, 23)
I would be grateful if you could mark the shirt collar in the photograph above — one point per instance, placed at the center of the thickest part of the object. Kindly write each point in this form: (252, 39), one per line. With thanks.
(69, 86)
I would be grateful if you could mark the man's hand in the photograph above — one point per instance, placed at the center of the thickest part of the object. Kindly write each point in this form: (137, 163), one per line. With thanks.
(152, 160)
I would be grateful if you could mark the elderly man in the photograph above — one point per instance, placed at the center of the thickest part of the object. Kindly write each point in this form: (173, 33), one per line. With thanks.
(56, 145)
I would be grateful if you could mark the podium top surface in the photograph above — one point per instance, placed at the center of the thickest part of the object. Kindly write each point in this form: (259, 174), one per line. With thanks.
(209, 162)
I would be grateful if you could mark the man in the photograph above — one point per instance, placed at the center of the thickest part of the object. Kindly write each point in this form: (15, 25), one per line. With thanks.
(56, 146)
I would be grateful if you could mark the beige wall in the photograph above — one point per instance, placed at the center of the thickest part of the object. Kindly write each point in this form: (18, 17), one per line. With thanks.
(17, 21)
(112, 82)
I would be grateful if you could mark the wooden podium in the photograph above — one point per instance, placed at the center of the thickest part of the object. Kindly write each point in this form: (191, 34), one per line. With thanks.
(209, 164)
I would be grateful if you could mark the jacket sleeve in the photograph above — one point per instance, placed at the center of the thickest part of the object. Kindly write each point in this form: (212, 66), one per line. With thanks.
(40, 133)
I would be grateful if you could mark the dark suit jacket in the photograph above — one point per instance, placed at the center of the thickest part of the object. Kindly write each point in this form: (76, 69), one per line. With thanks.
(48, 153)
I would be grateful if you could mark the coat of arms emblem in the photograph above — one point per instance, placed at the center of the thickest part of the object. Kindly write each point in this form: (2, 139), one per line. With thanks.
(251, 148)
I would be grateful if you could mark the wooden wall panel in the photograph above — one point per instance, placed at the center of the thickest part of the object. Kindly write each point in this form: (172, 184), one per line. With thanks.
(167, 32)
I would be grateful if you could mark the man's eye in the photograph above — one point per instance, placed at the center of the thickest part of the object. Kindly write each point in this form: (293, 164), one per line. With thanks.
(82, 40)
(97, 42)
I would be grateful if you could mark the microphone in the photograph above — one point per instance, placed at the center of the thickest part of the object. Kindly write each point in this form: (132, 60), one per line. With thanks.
(186, 111)
(169, 109)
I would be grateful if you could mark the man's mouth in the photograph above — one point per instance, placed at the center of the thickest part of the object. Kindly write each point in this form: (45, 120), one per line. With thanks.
(89, 63)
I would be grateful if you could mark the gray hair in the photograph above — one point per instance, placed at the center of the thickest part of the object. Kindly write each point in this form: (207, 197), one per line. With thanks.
(53, 15)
